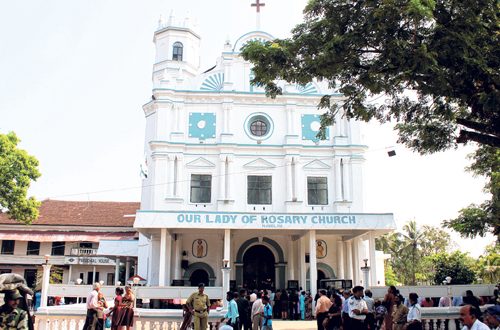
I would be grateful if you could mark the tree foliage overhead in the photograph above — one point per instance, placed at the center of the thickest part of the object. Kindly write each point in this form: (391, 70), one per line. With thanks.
(447, 51)
(481, 219)
(17, 170)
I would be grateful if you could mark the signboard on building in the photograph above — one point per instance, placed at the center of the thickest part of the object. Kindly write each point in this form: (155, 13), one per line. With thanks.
(96, 261)
(159, 219)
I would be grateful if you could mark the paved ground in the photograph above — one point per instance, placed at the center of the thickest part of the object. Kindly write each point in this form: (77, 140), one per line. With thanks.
(290, 325)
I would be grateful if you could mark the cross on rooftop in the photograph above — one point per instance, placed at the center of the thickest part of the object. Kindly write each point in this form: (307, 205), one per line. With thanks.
(257, 4)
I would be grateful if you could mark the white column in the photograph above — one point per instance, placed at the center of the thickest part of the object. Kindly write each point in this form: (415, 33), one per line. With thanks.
(70, 273)
(178, 257)
(163, 251)
(225, 125)
(45, 285)
(340, 254)
(227, 174)
(178, 109)
(347, 179)
(226, 265)
(338, 181)
(294, 179)
(313, 268)
(356, 264)
(227, 245)
(302, 262)
(373, 260)
(349, 274)
(291, 259)
(93, 274)
(117, 270)
(127, 269)
(168, 260)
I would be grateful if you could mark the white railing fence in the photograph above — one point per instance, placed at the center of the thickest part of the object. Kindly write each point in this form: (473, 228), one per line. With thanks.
(73, 318)
(437, 291)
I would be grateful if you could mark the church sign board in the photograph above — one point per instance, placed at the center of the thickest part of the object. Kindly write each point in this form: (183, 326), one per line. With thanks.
(240, 220)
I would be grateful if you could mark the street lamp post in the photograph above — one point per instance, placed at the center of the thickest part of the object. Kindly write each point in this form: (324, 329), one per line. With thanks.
(366, 273)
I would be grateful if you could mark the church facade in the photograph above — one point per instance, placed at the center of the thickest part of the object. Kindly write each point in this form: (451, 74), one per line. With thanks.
(240, 192)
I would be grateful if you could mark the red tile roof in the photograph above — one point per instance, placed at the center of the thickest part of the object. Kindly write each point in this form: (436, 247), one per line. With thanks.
(75, 213)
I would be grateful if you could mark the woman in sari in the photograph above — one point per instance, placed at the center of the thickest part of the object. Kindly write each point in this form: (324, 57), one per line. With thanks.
(128, 304)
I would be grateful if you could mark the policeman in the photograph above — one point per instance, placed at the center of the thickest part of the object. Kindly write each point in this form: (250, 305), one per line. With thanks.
(199, 304)
(11, 316)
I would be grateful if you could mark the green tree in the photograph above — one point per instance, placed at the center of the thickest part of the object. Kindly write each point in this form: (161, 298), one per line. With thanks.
(457, 265)
(411, 249)
(447, 51)
(17, 170)
(488, 265)
(475, 219)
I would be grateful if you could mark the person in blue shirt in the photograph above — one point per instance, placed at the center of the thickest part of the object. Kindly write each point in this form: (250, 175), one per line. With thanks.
(302, 305)
(267, 316)
(232, 316)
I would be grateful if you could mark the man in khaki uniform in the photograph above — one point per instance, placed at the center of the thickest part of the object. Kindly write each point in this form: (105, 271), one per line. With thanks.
(199, 304)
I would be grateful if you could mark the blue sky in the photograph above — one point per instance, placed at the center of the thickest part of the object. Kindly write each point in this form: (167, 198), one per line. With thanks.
(74, 75)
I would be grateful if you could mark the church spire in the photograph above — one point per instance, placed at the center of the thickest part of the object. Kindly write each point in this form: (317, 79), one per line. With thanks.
(257, 6)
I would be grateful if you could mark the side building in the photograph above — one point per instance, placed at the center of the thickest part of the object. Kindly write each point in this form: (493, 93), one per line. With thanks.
(91, 241)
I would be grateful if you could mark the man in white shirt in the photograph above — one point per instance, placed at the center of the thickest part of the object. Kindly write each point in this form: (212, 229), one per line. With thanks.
(92, 307)
(257, 311)
(357, 309)
(469, 317)
(414, 317)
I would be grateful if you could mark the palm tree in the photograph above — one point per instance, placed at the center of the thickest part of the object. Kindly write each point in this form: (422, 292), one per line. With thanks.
(411, 238)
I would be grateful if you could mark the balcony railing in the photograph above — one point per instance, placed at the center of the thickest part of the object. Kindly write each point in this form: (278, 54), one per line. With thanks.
(83, 252)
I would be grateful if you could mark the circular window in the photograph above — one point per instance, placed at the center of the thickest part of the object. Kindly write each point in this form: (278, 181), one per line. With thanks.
(258, 126)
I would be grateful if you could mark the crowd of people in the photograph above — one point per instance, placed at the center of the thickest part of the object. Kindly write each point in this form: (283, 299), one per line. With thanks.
(346, 309)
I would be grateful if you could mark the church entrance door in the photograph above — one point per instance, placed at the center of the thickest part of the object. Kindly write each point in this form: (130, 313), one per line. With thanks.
(258, 268)
(199, 276)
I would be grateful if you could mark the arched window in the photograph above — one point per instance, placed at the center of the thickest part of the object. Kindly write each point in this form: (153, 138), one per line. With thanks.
(177, 51)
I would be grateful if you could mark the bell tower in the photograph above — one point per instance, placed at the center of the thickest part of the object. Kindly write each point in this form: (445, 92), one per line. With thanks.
(177, 52)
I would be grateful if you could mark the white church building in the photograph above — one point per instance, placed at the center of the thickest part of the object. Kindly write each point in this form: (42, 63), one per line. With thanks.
(240, 192)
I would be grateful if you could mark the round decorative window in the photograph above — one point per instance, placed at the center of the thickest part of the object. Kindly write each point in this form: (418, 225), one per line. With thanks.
(258, 126)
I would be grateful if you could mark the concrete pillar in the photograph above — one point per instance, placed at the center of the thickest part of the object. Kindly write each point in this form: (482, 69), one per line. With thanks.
(127, 268)
(163, 251)
(93, 274)
(178, 257)
(313, 268)
(45, 285)
(349, 273)
(226, 264)
(302, 262)
(373, 260)
(70, 273)
(117, 270)
(356, 264)
(291, 259)
(340, 254)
